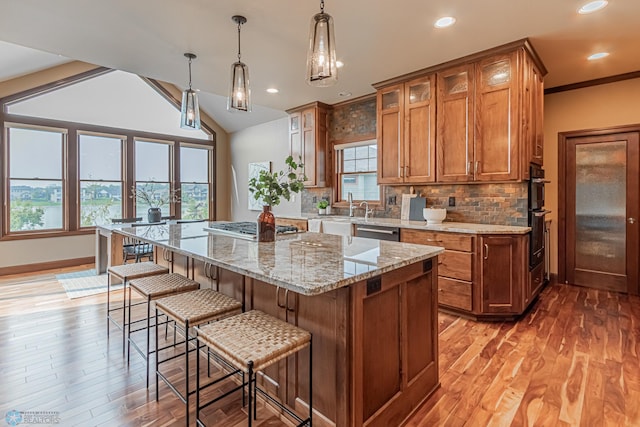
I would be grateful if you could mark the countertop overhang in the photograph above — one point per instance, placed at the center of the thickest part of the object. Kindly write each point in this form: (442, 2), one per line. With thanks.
(307, 263)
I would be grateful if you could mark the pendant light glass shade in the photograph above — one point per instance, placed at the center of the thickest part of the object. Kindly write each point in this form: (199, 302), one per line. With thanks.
(190, 110)
(321, 58)
(239, 90)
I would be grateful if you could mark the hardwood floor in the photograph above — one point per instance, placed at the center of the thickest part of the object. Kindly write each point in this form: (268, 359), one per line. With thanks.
(573, 360)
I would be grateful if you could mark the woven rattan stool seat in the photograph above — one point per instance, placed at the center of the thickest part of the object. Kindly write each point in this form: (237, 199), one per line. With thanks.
(164, 284)
(137, 270)
(253, 336)
(197, 307)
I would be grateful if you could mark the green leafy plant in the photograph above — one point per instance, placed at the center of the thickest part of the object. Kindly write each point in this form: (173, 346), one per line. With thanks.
(322, 204)
(270, 187)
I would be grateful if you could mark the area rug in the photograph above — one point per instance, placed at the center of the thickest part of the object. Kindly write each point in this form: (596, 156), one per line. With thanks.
(84, 283)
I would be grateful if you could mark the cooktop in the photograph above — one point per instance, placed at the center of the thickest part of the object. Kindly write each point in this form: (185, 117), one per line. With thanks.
(245, 229)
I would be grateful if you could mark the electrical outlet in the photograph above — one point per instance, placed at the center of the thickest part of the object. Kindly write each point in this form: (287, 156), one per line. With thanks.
(315, 199)
(391, 200)
(452, 201)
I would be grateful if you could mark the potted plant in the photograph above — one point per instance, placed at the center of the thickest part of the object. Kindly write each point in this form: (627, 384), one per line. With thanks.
(322, 207)
(269, 188)
(149, 194)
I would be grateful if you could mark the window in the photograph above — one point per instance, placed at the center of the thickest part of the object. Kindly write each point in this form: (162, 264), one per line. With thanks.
(100, 193)
(357, 164)
(194, 185)
(35, 173)
(153, 175)
(71, 154)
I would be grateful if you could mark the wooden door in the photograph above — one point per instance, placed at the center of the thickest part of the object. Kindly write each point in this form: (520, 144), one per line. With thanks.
(496, 120)
(601, 211)
(419, 135)
(455, 121)
(390, 133)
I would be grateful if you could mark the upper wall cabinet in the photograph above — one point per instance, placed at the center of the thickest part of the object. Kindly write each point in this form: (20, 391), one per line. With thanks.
(488, 120)
(406, 132)
(308, 140)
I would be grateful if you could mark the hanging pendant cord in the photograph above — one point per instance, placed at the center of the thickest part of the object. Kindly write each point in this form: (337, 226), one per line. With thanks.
(239, 24)
(189, 73)
(321, 6)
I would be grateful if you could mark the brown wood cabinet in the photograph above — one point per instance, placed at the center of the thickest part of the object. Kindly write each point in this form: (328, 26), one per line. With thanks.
(484, 276)
(406, 132)
(308, 140)
(368, 369)
(503, 274)
(488, 120)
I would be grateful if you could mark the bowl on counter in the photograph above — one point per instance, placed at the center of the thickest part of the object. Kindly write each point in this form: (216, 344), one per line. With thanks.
(434, 215)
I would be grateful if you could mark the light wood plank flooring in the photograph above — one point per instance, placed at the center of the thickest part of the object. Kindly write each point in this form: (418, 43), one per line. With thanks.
(573, 360)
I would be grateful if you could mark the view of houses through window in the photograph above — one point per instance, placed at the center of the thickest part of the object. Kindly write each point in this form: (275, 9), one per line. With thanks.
(64, 176)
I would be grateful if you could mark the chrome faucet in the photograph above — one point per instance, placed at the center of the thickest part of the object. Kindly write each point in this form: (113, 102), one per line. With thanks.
(351, 205)
(367, 211)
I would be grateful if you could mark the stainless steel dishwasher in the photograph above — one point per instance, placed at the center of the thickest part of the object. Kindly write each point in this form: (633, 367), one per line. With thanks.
(379, 232)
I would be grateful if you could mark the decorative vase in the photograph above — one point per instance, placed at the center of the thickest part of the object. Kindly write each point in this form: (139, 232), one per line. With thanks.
(154, 215)
(266, 225)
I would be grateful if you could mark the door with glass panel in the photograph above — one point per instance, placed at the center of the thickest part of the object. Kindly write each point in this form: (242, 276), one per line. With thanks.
(601, 202)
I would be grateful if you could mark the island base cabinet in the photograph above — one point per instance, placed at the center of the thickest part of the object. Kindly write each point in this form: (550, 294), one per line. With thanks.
(394, 344)
(375, 344)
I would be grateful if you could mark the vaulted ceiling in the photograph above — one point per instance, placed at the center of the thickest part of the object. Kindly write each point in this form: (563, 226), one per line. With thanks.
(376, 40)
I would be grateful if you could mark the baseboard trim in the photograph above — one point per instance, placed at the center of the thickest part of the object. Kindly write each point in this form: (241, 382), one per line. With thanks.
(49, 265)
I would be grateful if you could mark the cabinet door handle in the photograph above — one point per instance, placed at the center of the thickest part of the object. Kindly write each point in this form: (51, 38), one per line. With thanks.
(401, 172)
(434, 240)
(486, 251)
(406, 171)
(286, 300)
(207, 270)
(278, 298)
(468, 167)
(475, 170)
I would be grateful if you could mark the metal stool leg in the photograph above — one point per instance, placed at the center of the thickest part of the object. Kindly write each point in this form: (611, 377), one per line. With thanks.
(249, 411)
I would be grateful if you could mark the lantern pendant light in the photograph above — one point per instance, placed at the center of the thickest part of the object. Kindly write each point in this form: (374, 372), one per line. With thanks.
(190, 111)
(239, 90)
(321, 57)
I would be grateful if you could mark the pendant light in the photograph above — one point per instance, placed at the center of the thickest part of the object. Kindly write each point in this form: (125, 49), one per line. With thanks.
(321, 57)
(239, 90)
(190, 111)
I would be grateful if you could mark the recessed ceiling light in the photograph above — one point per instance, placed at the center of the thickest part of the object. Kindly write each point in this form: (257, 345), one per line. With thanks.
(272, 90)
(593, 6)
(345, 94)
(339, 64)
(444, 22)
(597, 55)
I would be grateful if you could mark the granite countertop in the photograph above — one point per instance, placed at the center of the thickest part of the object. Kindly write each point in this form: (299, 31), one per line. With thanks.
(451, 227)
(307, 263)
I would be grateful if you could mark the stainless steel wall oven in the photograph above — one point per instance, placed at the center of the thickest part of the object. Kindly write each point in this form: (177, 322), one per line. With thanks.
(536, 216)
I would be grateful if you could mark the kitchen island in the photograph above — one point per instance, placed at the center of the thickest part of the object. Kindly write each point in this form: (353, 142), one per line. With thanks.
(371, 307)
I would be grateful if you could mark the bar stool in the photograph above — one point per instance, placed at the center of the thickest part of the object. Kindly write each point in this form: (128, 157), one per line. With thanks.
(152, 288)
(126, 273)
(250, 342)
(190, 309)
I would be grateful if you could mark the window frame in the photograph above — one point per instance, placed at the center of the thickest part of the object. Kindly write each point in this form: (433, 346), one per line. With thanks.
(337, 148)
(71, 205)
(6, 151)
(210, 173)
(123, 140)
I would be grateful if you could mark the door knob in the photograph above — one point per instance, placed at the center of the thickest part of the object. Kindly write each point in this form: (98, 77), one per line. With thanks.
(631, 220)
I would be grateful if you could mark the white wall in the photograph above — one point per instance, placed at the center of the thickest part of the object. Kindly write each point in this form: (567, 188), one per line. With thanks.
(265, 142)
(35, 251)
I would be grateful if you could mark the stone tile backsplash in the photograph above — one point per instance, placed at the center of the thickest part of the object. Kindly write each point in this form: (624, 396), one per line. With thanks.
(500, 203)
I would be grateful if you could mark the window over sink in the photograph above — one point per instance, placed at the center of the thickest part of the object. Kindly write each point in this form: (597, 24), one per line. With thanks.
(357, 171)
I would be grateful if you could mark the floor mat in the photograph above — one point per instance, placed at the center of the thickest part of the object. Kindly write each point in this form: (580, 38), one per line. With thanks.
(84, 283)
